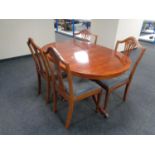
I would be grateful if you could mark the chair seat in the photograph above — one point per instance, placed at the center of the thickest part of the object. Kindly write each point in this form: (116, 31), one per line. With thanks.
(114, 81)
(81, 86)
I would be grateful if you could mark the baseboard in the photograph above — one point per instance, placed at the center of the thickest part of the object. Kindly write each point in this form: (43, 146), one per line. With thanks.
(14, 58)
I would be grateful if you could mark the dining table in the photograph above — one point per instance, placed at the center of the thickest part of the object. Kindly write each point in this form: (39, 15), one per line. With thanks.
(91, 61)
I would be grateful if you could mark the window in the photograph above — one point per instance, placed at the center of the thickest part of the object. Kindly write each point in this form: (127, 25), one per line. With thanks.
(71, 26)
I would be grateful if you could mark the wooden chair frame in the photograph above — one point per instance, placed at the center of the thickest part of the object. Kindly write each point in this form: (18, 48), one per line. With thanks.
(130, 44)
(85, 34)
(61, 66)
(41, 67)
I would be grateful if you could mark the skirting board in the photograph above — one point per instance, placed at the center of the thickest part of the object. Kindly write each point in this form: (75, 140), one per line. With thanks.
(14, 58)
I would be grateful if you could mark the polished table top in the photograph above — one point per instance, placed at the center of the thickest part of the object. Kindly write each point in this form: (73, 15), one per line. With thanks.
(91, 61)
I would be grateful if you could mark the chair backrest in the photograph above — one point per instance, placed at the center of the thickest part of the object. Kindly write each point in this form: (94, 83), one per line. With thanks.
(136, 56)
(60, 66)
(134, 50)
(87, 36)
(38, 57)
(127, 45)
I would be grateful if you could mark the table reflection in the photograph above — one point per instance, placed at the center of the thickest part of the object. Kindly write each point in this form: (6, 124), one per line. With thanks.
(81, 57)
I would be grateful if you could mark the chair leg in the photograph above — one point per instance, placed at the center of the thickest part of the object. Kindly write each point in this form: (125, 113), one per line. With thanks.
(69, 114)
(126, 92)
(96, 100)
(54, 98)
(104, 108)
(62, 99)
(39, 83)
(48, 90)
(106, 99)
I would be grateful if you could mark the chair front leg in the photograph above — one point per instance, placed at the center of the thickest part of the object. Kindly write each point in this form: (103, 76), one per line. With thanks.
(104, 108)
(96, 100)
(69, 114)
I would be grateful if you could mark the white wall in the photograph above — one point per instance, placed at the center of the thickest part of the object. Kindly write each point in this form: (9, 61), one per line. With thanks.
(128, 27)
(106, 30)
(14, 35)
(111, 30)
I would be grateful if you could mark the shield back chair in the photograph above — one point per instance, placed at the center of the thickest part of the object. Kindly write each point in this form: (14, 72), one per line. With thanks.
(71, 88)
(41, 67)
(135, 51)
(86, 36)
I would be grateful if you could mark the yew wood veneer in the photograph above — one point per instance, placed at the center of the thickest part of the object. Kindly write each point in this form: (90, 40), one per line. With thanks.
(91, 61)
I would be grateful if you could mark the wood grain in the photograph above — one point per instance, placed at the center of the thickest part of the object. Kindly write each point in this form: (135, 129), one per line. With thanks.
(91, 61)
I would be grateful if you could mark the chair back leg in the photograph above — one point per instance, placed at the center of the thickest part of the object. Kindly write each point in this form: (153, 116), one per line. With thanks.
(39, 83)
(48, 90)
(54, 94)
(126, 92)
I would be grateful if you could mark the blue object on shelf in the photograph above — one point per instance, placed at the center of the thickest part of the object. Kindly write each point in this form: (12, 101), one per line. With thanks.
(57, 24)
(73, 28)
(87, 24)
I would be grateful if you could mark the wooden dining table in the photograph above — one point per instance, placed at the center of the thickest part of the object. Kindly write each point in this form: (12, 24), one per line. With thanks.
(91, 61)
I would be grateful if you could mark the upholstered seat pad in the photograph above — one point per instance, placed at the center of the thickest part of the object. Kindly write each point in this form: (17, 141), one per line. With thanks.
(81, 86)
(114, 81)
